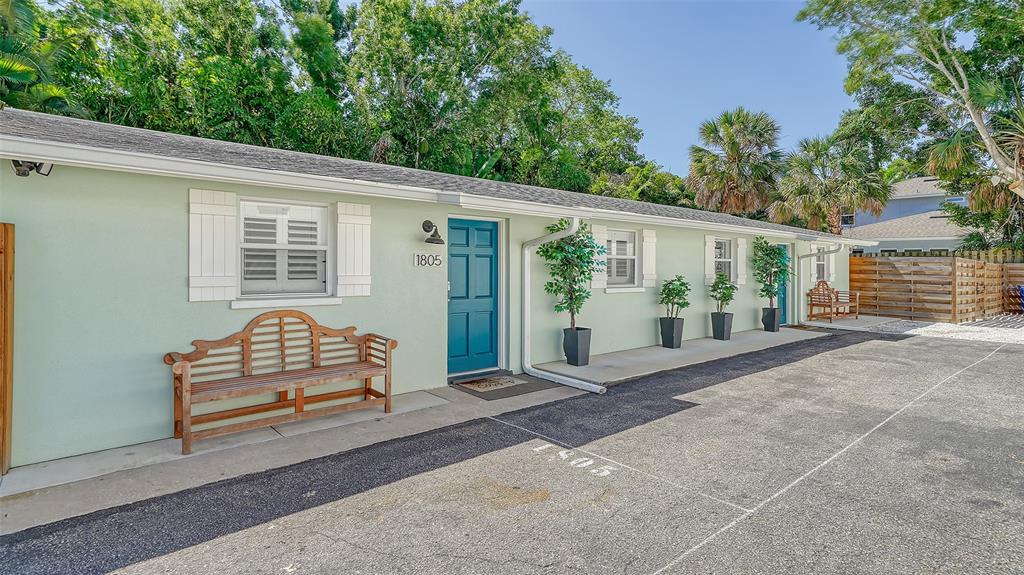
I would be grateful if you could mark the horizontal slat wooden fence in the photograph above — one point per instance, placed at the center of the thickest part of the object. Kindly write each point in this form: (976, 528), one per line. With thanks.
(946, 289)
(993, 256)
(1013, 278)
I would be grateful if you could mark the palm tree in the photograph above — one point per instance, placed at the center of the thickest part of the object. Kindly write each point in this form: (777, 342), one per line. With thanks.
(736, 168)
(26, 61)
(826, 177)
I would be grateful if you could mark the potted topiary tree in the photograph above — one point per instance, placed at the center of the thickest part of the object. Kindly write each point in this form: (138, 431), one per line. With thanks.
(771, 269)
(673, 296)
(722, 291)
(572, 262)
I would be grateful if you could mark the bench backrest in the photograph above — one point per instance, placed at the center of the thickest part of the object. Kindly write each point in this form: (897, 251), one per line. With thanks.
(821, 293)
(274, 341)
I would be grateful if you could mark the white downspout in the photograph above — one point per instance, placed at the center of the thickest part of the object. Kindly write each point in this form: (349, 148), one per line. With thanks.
(800, 277)
(574, 226)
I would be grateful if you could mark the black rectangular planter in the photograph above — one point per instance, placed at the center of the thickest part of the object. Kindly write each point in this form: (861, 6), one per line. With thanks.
(671, 332)
(721, 325)
(770, 318)
(576, 344)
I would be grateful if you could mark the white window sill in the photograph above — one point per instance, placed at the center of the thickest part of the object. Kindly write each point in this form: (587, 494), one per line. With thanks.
(624, 289)
(284, 302)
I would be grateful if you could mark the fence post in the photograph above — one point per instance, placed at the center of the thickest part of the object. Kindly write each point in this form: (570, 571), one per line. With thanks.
(956, 290)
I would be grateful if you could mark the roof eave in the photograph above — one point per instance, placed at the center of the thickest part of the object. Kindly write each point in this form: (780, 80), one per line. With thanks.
(135, 162)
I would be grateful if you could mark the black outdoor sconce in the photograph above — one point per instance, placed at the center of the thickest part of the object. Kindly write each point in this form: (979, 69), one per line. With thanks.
(430, 228)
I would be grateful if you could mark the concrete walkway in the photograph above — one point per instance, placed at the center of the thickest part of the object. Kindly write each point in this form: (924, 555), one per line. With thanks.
(609, 368)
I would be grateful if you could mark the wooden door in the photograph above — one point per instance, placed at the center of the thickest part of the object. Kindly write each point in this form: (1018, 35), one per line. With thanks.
(6, 341)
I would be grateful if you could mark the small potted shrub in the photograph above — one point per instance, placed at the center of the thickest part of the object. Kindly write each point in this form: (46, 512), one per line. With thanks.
(722, 291)
(572, 262)
(673, 296)
(771, 269)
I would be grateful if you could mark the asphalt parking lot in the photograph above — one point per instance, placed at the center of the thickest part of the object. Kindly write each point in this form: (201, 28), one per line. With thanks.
(856, 453)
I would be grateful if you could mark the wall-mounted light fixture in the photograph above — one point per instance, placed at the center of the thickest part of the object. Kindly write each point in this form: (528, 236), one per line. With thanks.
(24, 167)
(430, 228)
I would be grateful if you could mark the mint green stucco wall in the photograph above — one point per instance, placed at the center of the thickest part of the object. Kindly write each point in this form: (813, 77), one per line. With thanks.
(101, 295)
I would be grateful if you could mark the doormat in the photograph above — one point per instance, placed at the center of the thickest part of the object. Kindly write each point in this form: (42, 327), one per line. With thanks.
(502, 386)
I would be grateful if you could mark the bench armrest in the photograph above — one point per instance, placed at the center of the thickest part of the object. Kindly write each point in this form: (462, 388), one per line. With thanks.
(387, 341)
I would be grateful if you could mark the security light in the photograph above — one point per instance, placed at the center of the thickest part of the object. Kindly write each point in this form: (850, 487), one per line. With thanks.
(25, 167)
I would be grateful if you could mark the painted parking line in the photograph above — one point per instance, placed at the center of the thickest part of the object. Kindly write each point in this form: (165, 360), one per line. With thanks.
(818, 467)
(623, 465)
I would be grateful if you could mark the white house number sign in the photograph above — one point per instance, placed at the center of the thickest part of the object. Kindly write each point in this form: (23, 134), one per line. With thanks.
(427, 260)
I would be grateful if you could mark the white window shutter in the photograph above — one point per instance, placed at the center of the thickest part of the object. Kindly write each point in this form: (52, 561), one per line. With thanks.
(741, 261)
(353, 265)
(212, 246)
(600, 235)
(709, 260)
(832, 268)
(648, 257)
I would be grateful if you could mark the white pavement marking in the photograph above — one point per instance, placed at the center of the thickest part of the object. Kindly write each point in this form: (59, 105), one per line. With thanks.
(623, 465)
(796, 481)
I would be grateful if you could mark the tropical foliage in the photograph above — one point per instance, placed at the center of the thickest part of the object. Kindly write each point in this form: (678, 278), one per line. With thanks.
(771, 268)
(722, 292)
(572, 262)
(470, 87)
(27, 58)
(826, 177)
(735, 169)
(673, 296)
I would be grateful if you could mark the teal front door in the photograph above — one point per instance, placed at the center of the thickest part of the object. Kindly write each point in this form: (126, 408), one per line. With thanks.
(784, 296)
(472, 295)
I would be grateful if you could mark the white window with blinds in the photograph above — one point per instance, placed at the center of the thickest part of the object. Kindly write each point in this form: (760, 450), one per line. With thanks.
(820, 264)
(724, 258)
(621, 258)
(283, 248)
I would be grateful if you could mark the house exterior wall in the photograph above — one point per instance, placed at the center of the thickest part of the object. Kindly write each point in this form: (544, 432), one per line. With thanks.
(101, 295)
(901, 245)
(900, 207)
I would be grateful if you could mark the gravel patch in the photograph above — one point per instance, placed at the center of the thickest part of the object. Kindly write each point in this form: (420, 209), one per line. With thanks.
(1007, 328)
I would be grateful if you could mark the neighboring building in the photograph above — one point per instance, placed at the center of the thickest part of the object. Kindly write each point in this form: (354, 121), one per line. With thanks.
(138, 242)
(909, 197)
(926, 232)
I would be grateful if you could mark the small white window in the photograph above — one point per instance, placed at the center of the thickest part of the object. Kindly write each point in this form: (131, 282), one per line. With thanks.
(284, 248)
(621, 258)
(724, 259)
(820, 265)
(847, 220)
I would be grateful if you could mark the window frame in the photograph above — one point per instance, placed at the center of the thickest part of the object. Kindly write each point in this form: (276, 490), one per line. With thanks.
(731, 259)
(821, 258)
(635, 258)
(328, 247)
(851, 216)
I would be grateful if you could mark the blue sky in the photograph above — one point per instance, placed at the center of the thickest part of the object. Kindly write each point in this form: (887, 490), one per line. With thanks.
(677, 63)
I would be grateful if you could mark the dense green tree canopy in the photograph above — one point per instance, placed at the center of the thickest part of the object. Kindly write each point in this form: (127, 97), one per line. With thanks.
(469, 87)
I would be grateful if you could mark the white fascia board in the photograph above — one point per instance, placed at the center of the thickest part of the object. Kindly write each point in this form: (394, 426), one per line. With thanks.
(13, 147)
(122, 161)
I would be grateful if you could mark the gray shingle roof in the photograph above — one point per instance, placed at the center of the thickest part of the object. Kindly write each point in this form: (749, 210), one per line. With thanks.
(917, 187)
(60, 129)
(932, 224)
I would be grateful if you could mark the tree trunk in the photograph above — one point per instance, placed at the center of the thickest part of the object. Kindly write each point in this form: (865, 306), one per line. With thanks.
(835, 221)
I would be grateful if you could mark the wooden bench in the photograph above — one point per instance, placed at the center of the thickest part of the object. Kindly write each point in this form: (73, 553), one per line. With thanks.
(835, 303)
(281, 353)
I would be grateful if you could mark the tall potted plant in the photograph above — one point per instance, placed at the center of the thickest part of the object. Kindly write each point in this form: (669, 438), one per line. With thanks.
(722, 291)
(673, 296)
(572, 262)
(771, 269)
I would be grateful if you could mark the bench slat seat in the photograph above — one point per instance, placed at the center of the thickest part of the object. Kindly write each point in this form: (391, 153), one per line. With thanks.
(282, 381)
(281, 353)
(834, 303)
